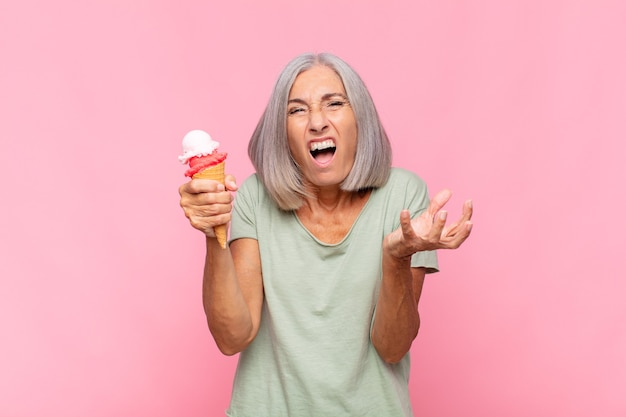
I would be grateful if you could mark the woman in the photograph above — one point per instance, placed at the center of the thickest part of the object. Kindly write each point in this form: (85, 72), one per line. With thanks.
(329, 247)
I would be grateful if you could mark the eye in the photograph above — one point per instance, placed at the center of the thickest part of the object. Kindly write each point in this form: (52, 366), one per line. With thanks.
(335, 104)
(296, 110)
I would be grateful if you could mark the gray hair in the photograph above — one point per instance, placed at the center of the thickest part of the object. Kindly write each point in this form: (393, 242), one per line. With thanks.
(269, 147)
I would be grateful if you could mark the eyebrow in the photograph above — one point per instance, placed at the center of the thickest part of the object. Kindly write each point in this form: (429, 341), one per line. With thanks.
(324, 97)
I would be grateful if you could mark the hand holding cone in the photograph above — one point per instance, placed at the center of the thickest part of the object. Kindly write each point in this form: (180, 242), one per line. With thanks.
(215, 173)
(200, 151)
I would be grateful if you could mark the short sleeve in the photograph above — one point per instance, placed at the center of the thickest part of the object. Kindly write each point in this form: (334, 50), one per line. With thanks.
(416, 200)
(245, 207)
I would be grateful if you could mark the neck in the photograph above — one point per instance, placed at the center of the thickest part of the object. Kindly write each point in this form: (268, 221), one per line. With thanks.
(331, 198)
(330, 213)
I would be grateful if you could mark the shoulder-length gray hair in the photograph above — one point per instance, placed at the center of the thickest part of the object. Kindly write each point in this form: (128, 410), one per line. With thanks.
(269, 148)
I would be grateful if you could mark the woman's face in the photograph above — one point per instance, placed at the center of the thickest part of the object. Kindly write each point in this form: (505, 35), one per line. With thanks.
(321, 127)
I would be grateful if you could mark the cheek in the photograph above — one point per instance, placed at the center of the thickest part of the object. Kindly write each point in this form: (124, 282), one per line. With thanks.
(351, 134)
(291, 135)
(294, 140)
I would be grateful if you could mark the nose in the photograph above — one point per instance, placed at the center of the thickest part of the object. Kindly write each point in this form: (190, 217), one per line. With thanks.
(318, 122)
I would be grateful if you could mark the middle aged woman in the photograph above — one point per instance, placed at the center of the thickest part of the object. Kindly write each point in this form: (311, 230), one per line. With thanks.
(320, 284)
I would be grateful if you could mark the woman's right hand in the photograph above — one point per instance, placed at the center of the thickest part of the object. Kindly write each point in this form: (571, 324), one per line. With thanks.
(207, 203)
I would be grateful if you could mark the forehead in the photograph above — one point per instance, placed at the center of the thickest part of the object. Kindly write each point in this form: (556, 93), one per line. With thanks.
(316, 81)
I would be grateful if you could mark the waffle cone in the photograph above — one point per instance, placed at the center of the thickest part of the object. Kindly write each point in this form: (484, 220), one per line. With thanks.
(215, 173)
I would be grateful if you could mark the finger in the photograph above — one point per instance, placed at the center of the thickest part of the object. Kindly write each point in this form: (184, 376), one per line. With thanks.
(439, 223)
(206, 213)
(231, 183)
(211, 210)
(405, 224)
(224, 197)
(438, 201)
(204, 202)
(452, 229)
(463, 234)
(468, 210)
(220, 219)
(199, 185)
(466, 214)
(184, 189)
(206, 224)
(399, 241)
(453, 242)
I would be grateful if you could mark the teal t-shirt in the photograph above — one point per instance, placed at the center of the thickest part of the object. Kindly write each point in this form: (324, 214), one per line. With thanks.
(313, 354)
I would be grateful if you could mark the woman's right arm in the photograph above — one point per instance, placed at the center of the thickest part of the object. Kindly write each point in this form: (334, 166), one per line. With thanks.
(232, 290)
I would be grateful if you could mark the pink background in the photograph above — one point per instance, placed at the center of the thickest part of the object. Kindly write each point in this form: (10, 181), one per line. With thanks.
(520, 105)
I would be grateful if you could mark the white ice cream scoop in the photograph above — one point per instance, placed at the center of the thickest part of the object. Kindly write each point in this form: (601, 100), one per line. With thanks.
(197, 143)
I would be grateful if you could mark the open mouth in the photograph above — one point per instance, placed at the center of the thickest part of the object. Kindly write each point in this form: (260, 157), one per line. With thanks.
(323, 151)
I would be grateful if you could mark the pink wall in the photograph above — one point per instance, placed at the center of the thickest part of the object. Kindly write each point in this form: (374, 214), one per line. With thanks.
(520, 105)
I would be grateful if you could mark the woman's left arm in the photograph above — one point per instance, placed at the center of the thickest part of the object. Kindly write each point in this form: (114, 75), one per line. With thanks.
(397, 321)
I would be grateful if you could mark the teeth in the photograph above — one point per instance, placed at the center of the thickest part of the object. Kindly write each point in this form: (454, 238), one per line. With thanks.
(318, 146)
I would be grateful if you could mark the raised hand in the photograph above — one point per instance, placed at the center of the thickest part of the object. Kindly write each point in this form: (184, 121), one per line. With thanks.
(207, 203)
(428, 231)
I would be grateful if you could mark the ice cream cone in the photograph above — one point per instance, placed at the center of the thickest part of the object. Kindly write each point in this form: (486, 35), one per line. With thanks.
(215, 173)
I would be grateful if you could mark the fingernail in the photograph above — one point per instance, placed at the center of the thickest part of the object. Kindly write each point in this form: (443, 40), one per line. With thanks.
(443, 215)
(220, 187)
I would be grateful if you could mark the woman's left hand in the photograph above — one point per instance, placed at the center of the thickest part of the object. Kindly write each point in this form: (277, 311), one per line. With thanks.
(428, 231)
